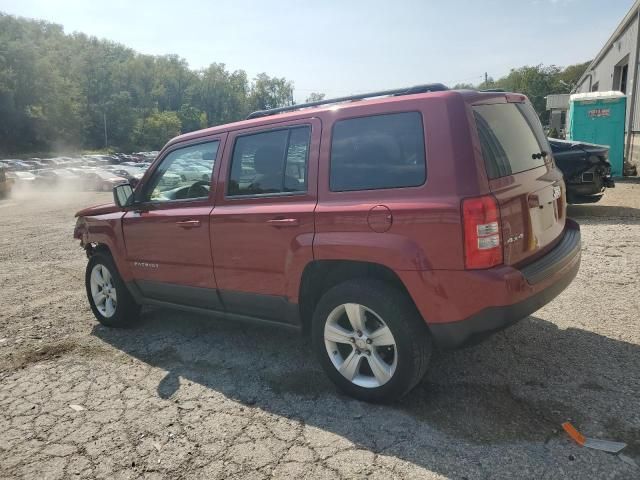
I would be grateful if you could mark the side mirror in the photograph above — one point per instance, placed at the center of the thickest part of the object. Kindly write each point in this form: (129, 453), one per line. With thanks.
(123, 195)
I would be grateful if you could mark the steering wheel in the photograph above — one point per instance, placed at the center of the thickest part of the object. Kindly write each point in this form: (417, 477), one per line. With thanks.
(198, 189)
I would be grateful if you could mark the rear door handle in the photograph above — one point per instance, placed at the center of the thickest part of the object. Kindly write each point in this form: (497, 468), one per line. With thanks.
(188, 223)
(284, 222)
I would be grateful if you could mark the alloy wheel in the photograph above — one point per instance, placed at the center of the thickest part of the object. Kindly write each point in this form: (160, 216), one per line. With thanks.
(360, 345)
(103, 291)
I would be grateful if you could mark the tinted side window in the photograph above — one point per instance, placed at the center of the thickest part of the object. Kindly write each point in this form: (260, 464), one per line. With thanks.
(270, 162)
(381, 151)
(510, 133)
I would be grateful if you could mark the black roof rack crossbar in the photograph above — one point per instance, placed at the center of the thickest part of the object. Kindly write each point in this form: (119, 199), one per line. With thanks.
(431, 87)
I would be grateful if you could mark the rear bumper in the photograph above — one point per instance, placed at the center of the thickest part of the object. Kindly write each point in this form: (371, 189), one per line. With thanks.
(589, 192)
(494, 299)
(580, 199)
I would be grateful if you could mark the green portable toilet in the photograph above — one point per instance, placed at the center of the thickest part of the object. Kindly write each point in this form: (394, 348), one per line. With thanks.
(599, 117)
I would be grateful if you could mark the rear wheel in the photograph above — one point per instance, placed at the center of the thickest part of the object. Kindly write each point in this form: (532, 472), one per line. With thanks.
(110, 301)
(370, 340)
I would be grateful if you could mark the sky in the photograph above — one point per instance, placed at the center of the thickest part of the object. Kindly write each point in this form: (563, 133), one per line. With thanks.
(340, 47)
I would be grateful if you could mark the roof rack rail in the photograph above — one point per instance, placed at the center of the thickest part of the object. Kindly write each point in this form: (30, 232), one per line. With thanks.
(492, 90)
(431, 87)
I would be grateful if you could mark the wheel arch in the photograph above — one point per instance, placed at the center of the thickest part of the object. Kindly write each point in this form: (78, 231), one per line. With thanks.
(92, 248)
(319, 276)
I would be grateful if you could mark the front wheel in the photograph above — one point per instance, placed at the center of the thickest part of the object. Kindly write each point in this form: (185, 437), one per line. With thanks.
(371, 340)
(110, 301)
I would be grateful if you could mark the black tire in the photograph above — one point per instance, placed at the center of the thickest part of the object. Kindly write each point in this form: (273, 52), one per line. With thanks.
(413, 341)
(127, 311)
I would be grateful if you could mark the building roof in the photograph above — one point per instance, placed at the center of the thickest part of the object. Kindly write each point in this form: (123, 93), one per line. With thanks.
(596, 95)
(622, 26)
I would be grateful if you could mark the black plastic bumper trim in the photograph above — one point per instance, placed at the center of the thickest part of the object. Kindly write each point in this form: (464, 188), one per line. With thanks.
(556, 259)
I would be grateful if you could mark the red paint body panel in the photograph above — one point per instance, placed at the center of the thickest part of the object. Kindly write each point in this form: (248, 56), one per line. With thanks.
(104, 229)
(158, 249)
(446, 296)
(98, 210)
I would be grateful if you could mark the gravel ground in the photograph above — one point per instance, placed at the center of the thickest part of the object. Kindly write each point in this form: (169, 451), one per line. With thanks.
(183, 396)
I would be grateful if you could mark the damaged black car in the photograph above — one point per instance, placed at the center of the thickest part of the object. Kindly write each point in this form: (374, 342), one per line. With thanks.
(586, 169)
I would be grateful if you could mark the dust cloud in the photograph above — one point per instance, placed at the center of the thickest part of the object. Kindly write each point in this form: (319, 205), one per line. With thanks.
(30, 195)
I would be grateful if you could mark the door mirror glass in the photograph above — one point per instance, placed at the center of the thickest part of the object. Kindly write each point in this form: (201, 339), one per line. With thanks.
(123, 195)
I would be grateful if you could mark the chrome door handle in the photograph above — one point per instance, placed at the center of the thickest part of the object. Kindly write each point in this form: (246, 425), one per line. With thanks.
(188, 223)
(284, 222)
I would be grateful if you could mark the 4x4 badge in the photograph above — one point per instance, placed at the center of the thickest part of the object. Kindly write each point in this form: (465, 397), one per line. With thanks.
(515, 238)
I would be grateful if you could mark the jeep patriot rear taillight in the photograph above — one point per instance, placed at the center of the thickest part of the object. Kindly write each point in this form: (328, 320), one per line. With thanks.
(482, 243)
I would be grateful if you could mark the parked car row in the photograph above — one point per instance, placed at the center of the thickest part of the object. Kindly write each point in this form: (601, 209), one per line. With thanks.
(87, 172)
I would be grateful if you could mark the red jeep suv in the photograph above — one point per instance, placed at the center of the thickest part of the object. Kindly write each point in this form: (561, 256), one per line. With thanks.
(383, 224)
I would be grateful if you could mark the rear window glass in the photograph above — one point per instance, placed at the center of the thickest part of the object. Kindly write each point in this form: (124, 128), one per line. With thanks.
(510, 134)
(381, 151)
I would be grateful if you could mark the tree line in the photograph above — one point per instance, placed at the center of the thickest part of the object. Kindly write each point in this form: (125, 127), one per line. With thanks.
(60, 91)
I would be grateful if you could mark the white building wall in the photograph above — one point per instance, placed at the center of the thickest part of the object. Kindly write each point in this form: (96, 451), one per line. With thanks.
(603, 72)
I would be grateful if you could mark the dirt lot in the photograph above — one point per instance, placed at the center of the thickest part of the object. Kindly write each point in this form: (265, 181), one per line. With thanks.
(182, 396)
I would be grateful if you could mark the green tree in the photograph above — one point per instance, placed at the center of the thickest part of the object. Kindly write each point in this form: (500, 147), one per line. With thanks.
(221, 95)
(155, 130)
(570, 75)
(464, 86)
(536, 82)
(121, 120)
(191, 118)
(315, 97)
(490, 83)
(270, 92)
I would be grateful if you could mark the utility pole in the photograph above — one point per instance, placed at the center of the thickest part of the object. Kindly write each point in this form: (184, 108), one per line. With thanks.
(106, 140)
(486, 80)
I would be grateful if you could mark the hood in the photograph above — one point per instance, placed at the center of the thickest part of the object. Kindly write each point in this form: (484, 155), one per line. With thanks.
(98, 210)
(558, 146)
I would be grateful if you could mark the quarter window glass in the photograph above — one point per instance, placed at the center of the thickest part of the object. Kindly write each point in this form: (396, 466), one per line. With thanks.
(381, 151)
(510, 134)
(270, 162)
(295, 179)
(183, 174)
